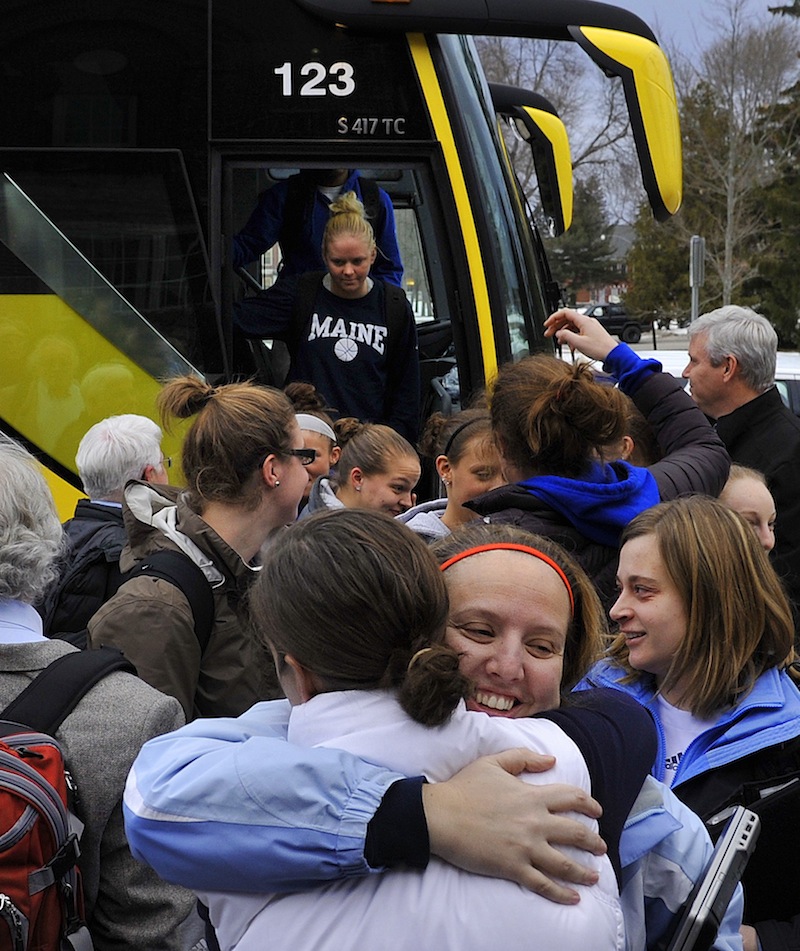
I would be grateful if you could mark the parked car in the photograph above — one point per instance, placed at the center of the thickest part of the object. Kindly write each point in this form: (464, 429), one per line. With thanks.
(616, 319)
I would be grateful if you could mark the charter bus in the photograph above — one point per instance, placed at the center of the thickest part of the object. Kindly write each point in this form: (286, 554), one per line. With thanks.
(136, 137)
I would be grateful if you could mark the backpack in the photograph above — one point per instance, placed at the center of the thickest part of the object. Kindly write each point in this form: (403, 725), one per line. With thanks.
(179, 570)
(299, 208)
(91, 575)
(41, 899)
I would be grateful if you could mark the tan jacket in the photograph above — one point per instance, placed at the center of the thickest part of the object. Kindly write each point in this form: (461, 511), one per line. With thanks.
(151, 620)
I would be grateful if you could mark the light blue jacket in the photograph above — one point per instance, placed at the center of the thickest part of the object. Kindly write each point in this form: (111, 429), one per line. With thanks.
(229, 805)
(769, 714)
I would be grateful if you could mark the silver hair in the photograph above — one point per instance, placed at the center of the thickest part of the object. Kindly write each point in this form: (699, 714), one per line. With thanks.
(742, 333)
(116, 450)
(31, 536)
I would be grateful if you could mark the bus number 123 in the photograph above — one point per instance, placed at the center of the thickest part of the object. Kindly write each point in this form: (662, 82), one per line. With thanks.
(337, 80)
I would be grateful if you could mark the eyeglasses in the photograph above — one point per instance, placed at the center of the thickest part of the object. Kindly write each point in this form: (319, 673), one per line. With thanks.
(306, 456)
(166, 462)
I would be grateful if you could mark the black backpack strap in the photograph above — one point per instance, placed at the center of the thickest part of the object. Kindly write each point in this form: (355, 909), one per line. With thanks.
(371, 199)
(55, 692)
(396, 310)
(179, 569)
(308, 286)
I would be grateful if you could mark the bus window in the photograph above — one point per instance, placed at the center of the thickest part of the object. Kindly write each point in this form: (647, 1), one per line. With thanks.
(415, 272)
(514, 320)
(131, 219)
(79, 348)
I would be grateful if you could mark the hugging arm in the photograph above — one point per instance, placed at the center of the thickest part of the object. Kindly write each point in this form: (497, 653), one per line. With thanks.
(229, 805)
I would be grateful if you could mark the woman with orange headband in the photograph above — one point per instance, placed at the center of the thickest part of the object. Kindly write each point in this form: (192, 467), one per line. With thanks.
(524, 624)
(361, 658)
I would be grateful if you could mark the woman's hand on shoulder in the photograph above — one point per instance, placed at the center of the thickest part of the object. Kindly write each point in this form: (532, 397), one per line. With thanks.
(487, 821)
(581, 333)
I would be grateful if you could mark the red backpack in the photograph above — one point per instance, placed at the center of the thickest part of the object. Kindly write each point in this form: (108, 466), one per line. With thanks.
(41, 899)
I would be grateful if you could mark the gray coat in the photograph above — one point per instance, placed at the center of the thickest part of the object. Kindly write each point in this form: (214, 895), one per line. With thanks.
(127, 906)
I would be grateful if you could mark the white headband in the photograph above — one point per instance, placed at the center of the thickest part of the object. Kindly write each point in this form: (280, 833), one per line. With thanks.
(314, 424)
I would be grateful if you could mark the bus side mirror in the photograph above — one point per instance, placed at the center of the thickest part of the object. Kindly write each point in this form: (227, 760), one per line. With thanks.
(652, 105)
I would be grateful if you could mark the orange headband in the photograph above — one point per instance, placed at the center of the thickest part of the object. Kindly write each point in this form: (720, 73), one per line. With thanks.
(511, 546)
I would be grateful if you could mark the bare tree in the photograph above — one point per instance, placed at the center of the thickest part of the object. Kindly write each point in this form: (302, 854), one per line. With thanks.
(728, 103)
(591, 106)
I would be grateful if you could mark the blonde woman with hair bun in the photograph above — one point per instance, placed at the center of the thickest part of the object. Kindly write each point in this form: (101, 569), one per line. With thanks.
(378, 470)
(353, 337)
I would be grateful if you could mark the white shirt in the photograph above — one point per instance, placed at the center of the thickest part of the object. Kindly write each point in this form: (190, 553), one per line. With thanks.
(19, 623)
(680, 728)
(441, 908)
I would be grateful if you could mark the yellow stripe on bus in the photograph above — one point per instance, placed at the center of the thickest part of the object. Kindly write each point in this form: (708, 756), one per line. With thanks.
(66, 495)
(444, 133)
(59, 376)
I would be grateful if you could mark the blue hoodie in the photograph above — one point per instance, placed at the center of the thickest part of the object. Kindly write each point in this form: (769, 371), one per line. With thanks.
(601, 504)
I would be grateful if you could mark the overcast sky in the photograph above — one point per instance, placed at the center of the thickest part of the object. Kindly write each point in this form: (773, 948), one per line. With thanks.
(688, 24)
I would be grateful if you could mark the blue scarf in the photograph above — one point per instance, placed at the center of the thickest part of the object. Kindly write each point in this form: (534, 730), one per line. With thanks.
(601, 504)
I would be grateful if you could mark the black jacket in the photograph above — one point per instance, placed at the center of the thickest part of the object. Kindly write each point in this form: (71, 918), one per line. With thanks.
(695, 461)
(95, 537)
(764, 434)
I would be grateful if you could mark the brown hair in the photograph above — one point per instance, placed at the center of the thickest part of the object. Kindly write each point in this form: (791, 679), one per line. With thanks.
(550, 417)
(306, 398)
(739, 620)
(646, 451)
(237, 425)
(587, 631)
(348, 217)
(368, 447)
(353, 595)
(451, 435)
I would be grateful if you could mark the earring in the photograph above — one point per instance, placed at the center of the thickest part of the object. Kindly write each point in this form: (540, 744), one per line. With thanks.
(358, 488)
(277, 483)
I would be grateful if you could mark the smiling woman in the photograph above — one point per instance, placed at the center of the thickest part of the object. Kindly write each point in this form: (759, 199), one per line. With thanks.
(515, 660)
(705, 639)
(525, 619)
(377, 470)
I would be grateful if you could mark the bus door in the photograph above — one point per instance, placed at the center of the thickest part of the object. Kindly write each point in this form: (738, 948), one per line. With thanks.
(431, 267)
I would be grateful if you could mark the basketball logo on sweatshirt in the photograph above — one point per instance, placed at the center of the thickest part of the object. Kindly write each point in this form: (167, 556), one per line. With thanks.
(346, 349)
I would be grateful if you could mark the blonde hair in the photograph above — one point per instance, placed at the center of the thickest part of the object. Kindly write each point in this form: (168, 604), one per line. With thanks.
(348, 218)
(739, 619)
(370, 447)
(738, 473)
